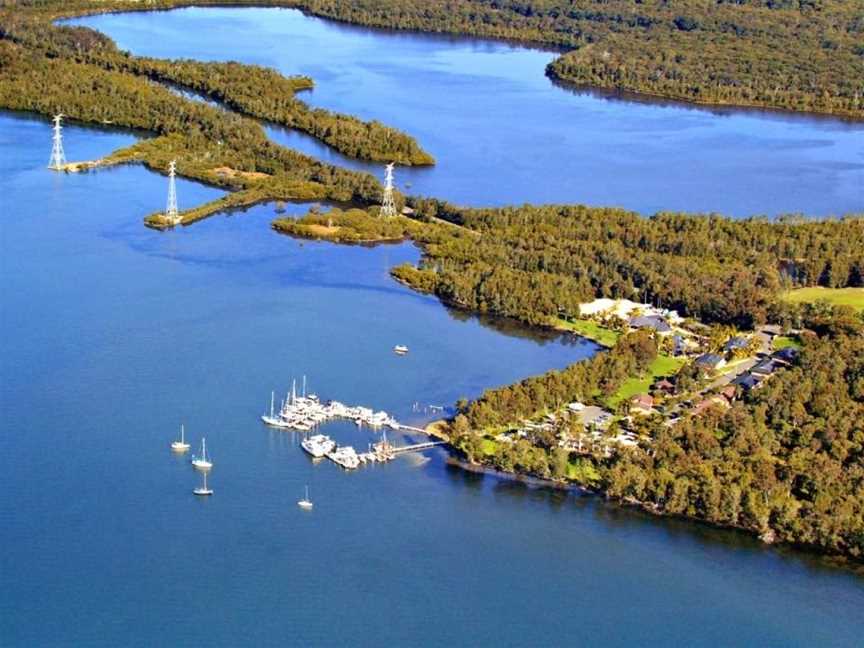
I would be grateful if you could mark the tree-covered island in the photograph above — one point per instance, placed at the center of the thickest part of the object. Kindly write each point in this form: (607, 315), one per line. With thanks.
(722, 397)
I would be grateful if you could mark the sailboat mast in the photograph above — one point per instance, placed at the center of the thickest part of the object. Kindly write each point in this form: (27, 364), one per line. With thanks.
(293, 391)
(272, 401)
(304, 385)
(182, 434)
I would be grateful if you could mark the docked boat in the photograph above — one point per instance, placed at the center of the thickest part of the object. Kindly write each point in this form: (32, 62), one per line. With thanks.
(305, 503)
(344, 456)
(202, 490)
(202, 462)
(180, 445)
(400, 349)
(378, 419)
(318, 445)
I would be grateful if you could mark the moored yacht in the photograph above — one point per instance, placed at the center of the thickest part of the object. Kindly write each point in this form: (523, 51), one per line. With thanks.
(180, 445)
(305, 503)
(344, 456)
(318, 445)
(203, 490)
(202, 462)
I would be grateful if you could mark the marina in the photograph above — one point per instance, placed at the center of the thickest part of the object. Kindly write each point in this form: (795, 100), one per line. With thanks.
(304, 412)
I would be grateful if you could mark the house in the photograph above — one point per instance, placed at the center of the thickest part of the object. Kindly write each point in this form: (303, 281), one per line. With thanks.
(641, 404)
(737, 343)
(655, 322)
(766, 367)
(708, 403)
(576, 407)
(748, 381)
(710, 362)
(787, 355)
(678, 345)
(664, 386)
(729, 392)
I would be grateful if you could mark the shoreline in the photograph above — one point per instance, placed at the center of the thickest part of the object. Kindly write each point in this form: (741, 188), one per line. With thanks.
(766, 539)
(554, 48)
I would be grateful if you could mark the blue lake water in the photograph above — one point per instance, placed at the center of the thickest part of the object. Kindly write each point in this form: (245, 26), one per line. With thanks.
(111, 334)
(503, 133)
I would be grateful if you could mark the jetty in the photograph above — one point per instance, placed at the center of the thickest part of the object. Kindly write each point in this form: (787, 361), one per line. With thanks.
(302, 413)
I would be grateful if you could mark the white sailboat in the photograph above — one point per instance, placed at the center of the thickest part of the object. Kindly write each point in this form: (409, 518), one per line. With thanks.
(202, 462)
(305, 503)
(180, 445)
(203, 490)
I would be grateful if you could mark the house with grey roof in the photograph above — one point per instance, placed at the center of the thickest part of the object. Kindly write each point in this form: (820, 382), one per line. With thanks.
(710, 361)
(655, 322)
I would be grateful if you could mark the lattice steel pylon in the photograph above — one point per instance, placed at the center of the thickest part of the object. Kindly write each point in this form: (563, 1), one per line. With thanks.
(388, 206)
(171, 213)
(58, 158)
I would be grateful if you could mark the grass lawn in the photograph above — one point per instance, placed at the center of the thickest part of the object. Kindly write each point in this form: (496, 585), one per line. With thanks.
(488, 447)
(591, 330)
(853, 297)
(783, 341)
(663, 365)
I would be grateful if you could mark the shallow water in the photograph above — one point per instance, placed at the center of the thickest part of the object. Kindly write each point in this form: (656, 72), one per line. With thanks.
(503, 133)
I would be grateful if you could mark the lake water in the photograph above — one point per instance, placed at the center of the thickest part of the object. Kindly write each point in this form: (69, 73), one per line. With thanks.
(111, 334)
(503, 133)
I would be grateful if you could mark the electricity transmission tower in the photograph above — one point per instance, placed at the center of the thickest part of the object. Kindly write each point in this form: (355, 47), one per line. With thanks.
(388, 207)
(58, 158)
(171, 213)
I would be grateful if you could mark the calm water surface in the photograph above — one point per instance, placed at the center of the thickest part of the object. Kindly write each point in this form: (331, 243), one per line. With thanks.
(110, 334)
(503, 133)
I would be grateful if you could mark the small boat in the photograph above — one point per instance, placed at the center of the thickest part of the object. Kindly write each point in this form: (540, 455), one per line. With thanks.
(202, 462)
(305, 503)
(400, 349)
(181, 445)
(203, 490)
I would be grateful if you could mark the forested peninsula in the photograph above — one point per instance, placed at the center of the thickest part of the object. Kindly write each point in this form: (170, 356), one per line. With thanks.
(778, 453)
(720, 53)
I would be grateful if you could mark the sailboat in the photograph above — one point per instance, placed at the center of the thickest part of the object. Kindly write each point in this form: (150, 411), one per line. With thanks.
(203, 490)
(202, 462)
(181, 445)
(305, 503)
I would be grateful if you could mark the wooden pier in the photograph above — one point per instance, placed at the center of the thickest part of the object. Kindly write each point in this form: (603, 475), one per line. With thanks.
(415, 447)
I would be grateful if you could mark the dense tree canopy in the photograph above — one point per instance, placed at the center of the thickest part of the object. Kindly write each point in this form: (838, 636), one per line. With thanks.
(540, 262)
(251, 90)
(786, 462)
